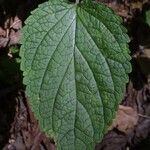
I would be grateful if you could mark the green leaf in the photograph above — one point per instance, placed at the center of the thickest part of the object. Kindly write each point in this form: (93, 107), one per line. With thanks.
(75, 62)
(148, 17)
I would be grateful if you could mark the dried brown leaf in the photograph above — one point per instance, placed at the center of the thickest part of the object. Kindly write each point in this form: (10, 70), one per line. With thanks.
(126, 119)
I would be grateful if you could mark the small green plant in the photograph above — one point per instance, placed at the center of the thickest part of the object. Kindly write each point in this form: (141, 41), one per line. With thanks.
(148, 17)
(75, 62)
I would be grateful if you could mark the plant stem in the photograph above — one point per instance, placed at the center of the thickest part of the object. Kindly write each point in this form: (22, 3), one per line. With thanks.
(77, 1)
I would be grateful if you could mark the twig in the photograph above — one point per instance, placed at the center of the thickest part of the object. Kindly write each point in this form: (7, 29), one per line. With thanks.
(144, 116)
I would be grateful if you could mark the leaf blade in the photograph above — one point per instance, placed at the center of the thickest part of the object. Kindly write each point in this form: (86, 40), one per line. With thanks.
(73, 71)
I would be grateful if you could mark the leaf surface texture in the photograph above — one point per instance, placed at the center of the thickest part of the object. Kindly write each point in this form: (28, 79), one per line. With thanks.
(75, 62)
